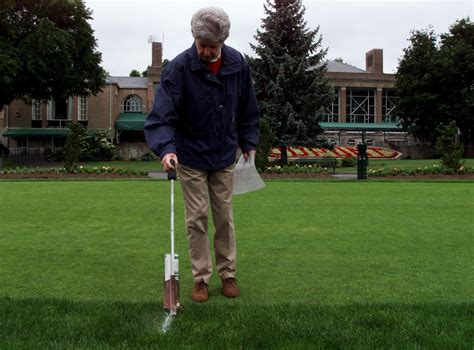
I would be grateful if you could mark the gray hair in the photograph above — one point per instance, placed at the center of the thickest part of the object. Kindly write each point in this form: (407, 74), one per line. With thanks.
(210, 23)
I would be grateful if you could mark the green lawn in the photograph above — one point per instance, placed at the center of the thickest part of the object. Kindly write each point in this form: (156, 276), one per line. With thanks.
(321, 265)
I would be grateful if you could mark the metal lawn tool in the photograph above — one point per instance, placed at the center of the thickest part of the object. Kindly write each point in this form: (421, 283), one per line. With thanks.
(171, 285)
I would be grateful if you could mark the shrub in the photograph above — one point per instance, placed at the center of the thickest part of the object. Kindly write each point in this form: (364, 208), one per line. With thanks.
(82, 147)
(4, 151)
(147, 157)
(76, 145)
(348, 162)
(100, 148)
(448, 147)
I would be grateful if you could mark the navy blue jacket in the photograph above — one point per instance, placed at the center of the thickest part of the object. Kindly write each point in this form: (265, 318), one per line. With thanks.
(203, 117)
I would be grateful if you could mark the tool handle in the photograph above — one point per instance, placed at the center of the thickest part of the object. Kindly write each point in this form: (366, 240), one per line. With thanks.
(172, 172)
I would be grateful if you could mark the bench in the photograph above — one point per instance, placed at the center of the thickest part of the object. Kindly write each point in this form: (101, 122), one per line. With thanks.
(322, 162)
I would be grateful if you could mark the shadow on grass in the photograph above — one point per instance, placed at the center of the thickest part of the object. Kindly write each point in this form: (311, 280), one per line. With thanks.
(50, 323)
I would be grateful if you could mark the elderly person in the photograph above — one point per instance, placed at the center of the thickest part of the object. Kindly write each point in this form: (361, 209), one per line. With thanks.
(204, 110)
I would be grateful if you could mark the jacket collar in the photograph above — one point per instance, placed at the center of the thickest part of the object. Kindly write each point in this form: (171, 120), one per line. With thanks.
(230, 64)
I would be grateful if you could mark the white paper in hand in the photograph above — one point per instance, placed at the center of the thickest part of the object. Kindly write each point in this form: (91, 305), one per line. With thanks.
(246, 177)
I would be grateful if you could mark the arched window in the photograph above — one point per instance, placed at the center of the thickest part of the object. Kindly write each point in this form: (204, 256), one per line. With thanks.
(133, 103)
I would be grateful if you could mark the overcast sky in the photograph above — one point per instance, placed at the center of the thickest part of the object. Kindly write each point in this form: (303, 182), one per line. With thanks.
(349, 28)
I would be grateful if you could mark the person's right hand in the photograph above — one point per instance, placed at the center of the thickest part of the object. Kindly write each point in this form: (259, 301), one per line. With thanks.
(166, 161)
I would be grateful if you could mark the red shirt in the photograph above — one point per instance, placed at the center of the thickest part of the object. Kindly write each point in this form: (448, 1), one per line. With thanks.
(215, 66)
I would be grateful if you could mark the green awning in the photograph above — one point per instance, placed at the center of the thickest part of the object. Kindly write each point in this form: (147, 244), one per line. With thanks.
(35, 132)
(361, 126)
(42, 132)
(130, 121)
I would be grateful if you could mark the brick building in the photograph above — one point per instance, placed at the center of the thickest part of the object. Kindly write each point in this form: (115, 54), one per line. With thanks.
(120, 108)
(363, 105)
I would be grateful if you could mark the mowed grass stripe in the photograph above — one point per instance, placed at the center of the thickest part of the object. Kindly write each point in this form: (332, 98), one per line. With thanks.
(321, 264)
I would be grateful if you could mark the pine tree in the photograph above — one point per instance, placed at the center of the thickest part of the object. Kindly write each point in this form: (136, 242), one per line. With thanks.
(289, 74)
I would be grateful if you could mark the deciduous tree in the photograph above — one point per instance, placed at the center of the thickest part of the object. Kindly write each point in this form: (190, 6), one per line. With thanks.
(435, 82)
(47, 49)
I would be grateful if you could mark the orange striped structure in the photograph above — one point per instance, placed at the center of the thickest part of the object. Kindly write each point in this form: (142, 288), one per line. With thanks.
(336, 152)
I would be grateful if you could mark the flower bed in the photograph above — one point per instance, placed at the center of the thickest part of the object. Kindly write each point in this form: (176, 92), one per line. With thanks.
(78, 172)
(427, 170)
(296, 169)
(434, 171)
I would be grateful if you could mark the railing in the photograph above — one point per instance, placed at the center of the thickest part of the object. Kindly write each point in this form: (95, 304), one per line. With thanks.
(59, 123)
(23, 151)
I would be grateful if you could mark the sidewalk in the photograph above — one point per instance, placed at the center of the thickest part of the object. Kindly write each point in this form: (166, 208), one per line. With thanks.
(345, 176)
(156, 175)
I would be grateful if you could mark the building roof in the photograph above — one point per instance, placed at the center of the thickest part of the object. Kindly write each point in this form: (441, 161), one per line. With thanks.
(336, 66)
(361, 126)
(128, 82)
(340, 67)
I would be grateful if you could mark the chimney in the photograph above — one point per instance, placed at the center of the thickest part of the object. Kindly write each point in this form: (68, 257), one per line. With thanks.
(156, 54)
(374, 61)
(154, 71)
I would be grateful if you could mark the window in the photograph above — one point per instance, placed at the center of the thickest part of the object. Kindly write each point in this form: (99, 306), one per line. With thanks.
(22, 142)
(133, 103)
(389, 102)
(360, 105)
(82, 109)
(59, 112)
(36, 110)
(331, 114)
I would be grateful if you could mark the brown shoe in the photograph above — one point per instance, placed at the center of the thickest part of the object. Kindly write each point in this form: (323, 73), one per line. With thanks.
(230, 288)
(200, 292)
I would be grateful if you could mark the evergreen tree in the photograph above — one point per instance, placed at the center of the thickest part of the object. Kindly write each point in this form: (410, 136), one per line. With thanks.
(449, 147)
(289, 74)
(76, 145)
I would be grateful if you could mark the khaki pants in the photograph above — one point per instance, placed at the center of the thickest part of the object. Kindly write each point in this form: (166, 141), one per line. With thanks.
(198, 187)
